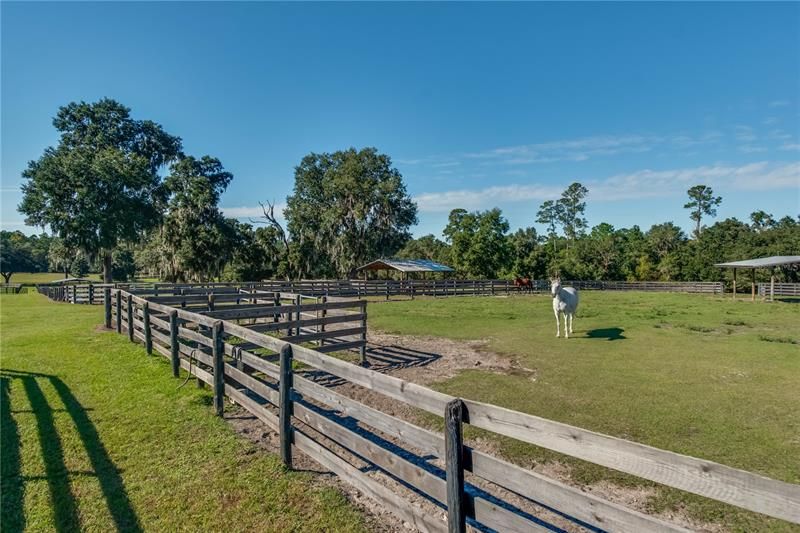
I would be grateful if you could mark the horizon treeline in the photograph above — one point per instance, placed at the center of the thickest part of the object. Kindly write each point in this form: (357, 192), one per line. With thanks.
(141, 207)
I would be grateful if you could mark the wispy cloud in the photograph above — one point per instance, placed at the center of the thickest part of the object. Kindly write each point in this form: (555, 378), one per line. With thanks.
(794, 147)
(640, 184)
(483, 198)
(779, 103)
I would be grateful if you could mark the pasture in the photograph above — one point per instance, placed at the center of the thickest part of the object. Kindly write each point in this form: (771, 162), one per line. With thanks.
(97, 436)
(32, 278)
(699, 375)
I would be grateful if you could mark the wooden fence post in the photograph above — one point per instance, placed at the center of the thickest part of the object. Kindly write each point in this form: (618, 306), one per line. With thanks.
(119, 311)
(286, 405)
(174, 349)
(218, 351)
(107, 304)
(211, 302)
(363, 349)
(91, 294)
(148, 335)
(324, 314)
(454, 466)
(130, 317)
(74, 294)
(276, 297)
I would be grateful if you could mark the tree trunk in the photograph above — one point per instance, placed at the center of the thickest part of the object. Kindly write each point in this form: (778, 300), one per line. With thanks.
(7, 276)
(107, 266)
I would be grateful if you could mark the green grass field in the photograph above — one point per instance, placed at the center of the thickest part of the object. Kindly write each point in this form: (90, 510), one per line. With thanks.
(32, 278)
(96, 436)
(698, 375)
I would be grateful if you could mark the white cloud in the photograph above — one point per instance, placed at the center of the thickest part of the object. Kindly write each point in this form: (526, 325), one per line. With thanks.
(641, 184)
(483, 198)
(751, 149)
(791, 146)
(251, 211)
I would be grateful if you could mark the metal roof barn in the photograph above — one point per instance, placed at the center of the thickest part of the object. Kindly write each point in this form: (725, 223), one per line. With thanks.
(405, 266)
(761, 262)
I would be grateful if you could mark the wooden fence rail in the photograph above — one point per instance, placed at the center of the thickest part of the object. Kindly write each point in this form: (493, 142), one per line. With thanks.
(194, 295)
(780, 289)
(225, 345)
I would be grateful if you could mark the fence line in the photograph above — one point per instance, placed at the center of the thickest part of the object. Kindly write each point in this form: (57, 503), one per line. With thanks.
(228, 355)
(194, 293)
(781, 289)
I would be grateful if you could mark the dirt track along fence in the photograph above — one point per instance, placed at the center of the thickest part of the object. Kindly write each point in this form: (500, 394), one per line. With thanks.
(226, 341)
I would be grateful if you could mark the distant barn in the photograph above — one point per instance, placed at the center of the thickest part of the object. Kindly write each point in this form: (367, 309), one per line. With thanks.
(404, 266)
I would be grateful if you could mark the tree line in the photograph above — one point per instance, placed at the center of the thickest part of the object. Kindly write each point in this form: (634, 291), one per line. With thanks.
(121, 196)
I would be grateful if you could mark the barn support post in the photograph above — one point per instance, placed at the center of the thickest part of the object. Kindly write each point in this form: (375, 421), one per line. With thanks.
(174, 349)
(285, 395)
(130, 317)
(454, 466)
(107, 305)
(734, 283)
(753, 285)
(119, 311)
(148, 334)
(218, 352)
(772, 285)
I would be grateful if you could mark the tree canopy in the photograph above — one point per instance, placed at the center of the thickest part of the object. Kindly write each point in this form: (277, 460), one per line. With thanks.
(347, 208)
(100, 184)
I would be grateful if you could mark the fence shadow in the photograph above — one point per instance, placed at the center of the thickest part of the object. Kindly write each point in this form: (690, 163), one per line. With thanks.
(63, 501)
(380, 359)
(611, 334)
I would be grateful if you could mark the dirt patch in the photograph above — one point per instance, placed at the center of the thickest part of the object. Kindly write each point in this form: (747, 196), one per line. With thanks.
(426, 360)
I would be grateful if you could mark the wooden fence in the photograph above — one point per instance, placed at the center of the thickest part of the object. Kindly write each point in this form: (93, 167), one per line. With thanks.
(781, 289)
(89, 293)
(206, 335)
(10, 288)
(371, 288)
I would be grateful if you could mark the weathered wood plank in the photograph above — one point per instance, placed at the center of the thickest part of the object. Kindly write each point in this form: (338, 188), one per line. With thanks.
(383, 495)
(706, 478)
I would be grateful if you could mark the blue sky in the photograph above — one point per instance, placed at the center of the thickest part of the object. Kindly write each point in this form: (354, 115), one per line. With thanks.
(479, 105)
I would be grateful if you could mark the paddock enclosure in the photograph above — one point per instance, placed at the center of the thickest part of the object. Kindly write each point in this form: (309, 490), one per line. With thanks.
(93, 293)
(264, 349)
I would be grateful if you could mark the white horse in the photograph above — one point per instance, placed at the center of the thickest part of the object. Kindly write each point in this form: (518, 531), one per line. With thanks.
(565, 301)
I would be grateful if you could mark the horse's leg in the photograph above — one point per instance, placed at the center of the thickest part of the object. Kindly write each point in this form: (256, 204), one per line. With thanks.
(566, 321)
(558, 326)
(571, 321)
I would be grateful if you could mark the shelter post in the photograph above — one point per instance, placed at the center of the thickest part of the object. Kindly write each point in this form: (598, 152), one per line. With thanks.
(753, 285)
(734, 283)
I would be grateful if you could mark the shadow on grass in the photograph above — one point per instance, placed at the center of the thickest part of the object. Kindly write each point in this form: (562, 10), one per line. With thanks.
(65, 514)
(611, 334)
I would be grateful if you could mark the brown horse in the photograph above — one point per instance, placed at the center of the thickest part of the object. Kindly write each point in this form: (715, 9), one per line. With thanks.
(524, 284)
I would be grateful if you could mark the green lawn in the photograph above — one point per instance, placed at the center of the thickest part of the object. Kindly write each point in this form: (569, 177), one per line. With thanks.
(32, 278)
(698, 375)
(96, 436)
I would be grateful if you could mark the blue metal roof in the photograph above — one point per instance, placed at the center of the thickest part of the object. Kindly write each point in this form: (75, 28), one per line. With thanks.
(406, 265)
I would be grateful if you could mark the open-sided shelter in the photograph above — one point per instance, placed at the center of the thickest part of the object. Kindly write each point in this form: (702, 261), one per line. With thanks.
(405, 266)
(762, 262)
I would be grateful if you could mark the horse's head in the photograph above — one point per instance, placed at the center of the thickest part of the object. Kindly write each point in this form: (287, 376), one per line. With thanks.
(555, 286)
